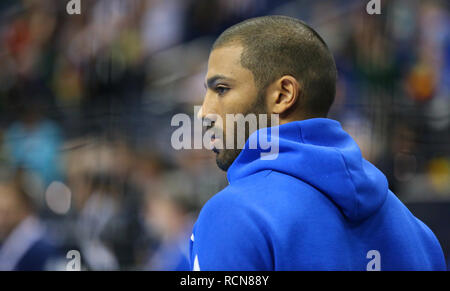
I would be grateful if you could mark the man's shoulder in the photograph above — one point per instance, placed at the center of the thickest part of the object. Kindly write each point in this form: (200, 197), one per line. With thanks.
(230, 199)
(237, 198)
(246, 191)
(260, 193)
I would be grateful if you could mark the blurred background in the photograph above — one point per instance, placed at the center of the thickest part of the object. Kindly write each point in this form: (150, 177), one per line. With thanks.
(86, 103)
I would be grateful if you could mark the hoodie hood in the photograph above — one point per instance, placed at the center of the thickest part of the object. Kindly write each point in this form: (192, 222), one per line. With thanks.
(320, 153)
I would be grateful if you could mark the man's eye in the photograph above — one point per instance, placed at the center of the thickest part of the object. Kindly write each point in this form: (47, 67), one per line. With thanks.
(221, 90)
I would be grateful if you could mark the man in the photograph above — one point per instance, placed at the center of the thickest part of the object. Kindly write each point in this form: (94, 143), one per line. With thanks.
(318, 205)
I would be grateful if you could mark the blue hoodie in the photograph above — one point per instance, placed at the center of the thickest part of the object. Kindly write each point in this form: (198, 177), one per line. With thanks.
(318, 206)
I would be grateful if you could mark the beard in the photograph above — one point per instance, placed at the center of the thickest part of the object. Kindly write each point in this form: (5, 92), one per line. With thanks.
(225, 157)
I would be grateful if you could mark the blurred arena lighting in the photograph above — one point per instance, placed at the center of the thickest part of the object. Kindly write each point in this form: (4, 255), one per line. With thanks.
(58, 197)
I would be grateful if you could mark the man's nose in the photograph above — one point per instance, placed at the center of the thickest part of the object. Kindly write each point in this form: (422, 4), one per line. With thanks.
(200, 113)
(207, 113)
(207, 109)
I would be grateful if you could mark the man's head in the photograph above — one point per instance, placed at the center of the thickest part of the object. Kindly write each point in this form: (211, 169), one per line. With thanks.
(268, 65)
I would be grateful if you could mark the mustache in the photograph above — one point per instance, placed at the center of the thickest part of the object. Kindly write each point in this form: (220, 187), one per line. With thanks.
(210, 124)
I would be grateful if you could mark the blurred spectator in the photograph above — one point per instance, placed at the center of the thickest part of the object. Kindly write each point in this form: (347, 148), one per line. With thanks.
(24, 242)
(168, 212)
(33, 141)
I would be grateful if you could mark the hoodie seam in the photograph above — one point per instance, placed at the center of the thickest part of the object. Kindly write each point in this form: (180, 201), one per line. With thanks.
(269, 171)
(356, 207)
(301, 133)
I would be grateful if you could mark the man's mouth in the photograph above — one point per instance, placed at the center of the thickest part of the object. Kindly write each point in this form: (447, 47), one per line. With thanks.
(213, 139)
(213, 143)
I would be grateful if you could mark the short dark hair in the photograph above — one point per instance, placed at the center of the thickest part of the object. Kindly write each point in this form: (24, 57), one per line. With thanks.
(274, 46)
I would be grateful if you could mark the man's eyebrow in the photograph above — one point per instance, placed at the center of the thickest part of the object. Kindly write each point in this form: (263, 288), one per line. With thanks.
(212, 81)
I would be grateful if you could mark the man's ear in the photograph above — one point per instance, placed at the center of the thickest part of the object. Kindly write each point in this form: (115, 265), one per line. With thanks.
(283, 95)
